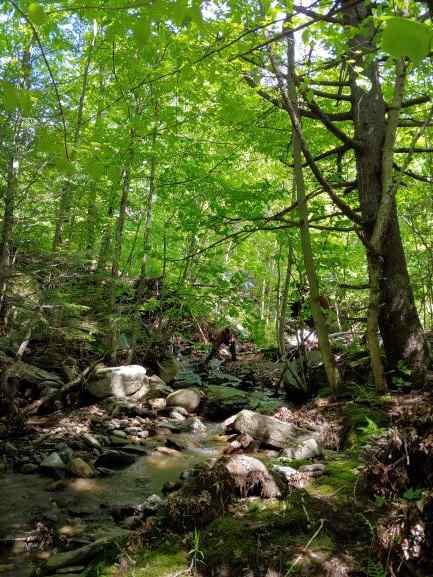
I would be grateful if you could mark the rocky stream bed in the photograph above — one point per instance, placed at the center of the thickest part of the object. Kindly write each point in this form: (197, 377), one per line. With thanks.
(137, 462)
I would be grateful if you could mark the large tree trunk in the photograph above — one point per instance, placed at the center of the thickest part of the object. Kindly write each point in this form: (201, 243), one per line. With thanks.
(401, 329)
(398, 319)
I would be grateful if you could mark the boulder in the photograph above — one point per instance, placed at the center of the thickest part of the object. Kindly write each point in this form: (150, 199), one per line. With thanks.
(181, 411)
(128, 381)
(285, 472)
(29, 374)
(305, 447)
(91, 441)
(29, 468)
(298, 443)
(156, 381)
(315, 469)
(79, 468)
(250, 476)
(196, 425)
(189, 399)
(221, 402)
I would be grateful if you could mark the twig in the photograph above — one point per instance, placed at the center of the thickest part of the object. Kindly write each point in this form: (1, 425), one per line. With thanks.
(299, 557)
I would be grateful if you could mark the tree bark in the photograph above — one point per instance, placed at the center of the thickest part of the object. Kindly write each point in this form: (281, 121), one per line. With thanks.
(397, 316)
(14, 156)
(291, 98)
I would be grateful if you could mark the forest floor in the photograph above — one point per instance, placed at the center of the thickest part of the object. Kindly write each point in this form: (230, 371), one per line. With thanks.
(130, 489)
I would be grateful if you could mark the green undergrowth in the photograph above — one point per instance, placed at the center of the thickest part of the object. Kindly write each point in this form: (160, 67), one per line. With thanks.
(365, 421)
(169, 560)
(342, 472)
(265, 533)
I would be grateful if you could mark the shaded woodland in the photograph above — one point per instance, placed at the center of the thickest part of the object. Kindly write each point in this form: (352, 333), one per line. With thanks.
(216, 299)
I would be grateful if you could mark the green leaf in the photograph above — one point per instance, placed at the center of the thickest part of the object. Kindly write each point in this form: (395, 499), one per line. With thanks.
(412, 494)
(407, 38)
(9, 95)
(36, 13)
(142, 31)
(306, 35)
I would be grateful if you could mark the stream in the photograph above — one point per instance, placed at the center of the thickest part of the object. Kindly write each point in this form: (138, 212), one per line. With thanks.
(80, 508)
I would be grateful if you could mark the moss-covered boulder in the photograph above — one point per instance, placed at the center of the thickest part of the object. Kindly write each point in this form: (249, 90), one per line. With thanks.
(223, 401)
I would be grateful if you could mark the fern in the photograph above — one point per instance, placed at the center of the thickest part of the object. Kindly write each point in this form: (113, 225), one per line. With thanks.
(375, 569)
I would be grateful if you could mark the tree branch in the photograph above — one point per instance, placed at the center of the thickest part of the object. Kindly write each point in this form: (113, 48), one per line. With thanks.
(332, 96)
(413, 175)
(345, 208)
(50, 73)
(409, 150)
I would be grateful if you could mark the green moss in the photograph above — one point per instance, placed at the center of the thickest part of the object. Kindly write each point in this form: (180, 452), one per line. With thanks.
(264, 404)
(223, 398)
(150, 563)
(338, 482)
(158, 564)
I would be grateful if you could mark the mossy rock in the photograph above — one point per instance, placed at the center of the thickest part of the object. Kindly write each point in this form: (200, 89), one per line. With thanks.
(223, 402)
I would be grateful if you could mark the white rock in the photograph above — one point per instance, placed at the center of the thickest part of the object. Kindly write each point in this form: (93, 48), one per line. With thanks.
(125, 381)
(296, 442)
(189, 399)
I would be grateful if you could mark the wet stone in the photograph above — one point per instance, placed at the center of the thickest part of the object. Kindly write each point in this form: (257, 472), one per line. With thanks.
(118, 440)
(53, 464)
(80, 468)
(115, 459)
(91, 441)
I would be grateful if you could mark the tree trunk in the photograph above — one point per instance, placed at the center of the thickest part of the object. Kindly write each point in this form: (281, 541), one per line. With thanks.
(397, 316)
(282, 313)
(13, 163)
(307, 250)
(152, 189)
(400, 327)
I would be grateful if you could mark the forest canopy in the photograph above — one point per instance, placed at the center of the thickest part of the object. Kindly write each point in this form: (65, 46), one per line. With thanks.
(242, 151)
